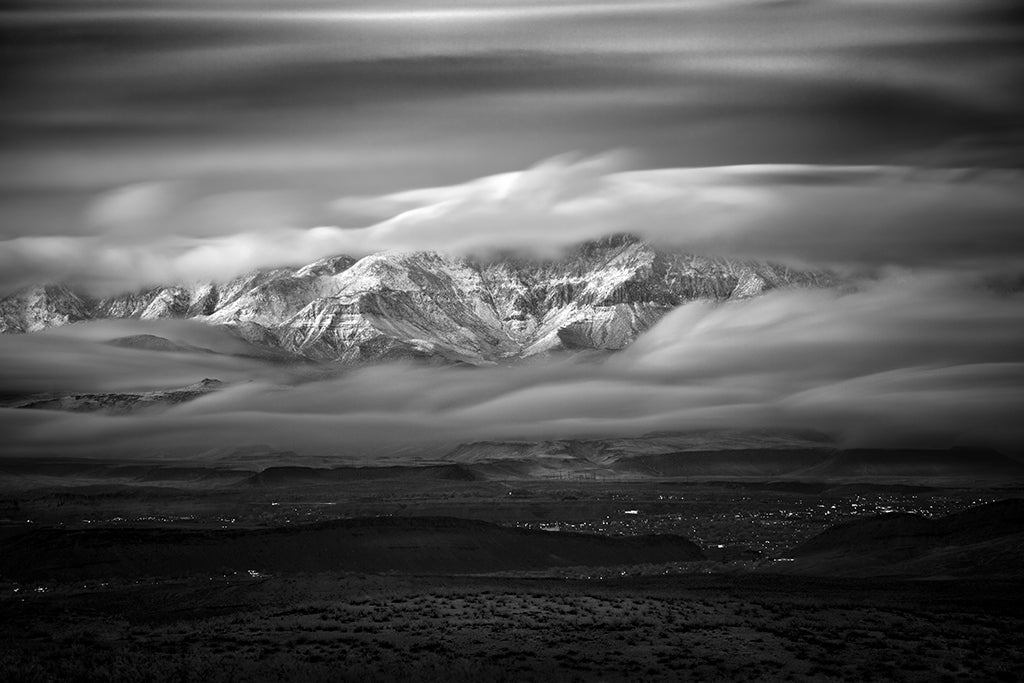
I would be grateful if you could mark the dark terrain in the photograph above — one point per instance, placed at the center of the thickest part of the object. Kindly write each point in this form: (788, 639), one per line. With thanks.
(333, 626)
(169, 571)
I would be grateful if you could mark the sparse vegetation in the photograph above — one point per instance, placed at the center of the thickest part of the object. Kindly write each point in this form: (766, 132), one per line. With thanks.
(367, 628)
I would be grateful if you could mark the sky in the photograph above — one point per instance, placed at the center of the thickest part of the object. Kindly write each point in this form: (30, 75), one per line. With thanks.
(274, 109)
(148, 142)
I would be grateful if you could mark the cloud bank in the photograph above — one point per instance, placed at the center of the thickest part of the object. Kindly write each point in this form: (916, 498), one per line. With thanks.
(151, 143)
(318, 99)
(79, 358)
(826, 216)
(908, 361)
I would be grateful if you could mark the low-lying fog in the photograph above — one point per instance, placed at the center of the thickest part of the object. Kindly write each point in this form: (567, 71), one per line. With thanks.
(922, 346)
(910, 359)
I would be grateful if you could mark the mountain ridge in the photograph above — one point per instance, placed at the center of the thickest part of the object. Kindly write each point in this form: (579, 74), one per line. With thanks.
(390, 304)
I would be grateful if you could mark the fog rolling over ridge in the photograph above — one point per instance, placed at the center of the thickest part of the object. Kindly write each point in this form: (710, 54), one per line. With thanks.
(383, 227)
(878, 308)
(879, 363)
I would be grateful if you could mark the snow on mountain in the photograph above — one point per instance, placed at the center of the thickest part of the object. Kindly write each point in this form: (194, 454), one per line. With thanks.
(40, 307)
(397, 304)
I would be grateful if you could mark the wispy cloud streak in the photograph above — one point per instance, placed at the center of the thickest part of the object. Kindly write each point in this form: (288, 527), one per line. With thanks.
(852, 217)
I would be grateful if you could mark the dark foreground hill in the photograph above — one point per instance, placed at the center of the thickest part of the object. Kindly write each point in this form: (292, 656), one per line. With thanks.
(422, 545)
(987, 540)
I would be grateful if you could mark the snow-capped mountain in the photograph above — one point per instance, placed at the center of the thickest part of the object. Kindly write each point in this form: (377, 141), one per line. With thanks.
(37, 308)
(396, 304)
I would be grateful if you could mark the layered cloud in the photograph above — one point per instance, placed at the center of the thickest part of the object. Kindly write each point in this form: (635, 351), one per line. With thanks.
(373, 97)
(80, 358)
(831, 215)
(823, 215)
(921, 361)
(151, 143)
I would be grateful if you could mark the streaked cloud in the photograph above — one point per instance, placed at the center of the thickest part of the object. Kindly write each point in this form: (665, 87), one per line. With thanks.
(844, 217)
(912, 359)
(157, 142)
(375, 97)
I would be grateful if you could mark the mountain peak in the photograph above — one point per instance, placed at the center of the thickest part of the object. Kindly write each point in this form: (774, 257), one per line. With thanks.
(600, 295)
(38, 307)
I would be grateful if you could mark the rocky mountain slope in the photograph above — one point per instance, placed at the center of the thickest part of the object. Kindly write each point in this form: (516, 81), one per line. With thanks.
(390, 304)
(118, 403)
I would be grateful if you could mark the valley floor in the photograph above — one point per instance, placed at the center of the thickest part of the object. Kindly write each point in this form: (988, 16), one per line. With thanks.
(739, 614)
(737, 519)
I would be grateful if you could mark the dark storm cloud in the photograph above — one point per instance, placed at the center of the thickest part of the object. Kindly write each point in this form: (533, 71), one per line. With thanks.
(880, 366)
(371, 97)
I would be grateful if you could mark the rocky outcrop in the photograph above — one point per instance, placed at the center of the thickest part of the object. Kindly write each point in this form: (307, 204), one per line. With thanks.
(395, 304)
(122, 403)
(37, 308)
